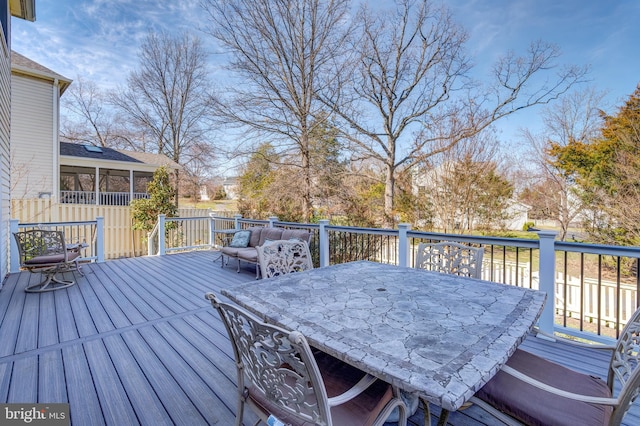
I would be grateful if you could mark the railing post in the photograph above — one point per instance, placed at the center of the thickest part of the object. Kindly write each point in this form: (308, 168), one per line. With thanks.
(403, 244)
(236, 221)
(323, 233)
(161, 235)
(212, 228)
(100, 239)
(272, 219)
(547, 279)
(14, 256)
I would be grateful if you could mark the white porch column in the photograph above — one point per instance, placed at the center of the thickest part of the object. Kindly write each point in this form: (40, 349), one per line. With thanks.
(97, 188)
(131, 186)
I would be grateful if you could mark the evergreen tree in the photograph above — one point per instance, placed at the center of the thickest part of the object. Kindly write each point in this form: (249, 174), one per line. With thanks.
(145, 211)
(606, 172)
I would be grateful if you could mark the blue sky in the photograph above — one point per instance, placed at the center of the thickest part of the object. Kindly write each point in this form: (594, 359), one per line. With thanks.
(98, 39)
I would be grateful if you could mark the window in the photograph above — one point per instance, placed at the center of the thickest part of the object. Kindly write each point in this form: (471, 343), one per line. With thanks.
(93, 148)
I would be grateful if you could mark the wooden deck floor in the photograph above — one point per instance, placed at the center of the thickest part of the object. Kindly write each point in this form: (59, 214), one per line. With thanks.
(134, 342)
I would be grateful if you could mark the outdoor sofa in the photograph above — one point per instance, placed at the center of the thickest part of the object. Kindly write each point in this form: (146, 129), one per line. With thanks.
(243, 245)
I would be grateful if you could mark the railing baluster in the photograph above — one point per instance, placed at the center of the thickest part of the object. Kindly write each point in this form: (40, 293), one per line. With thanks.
(599, 299)
(617, 301)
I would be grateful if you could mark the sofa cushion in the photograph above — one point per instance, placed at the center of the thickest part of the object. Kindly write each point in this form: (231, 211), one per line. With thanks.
(296, 234)
(240, 239)
(230, 251)
(270, 234)
(255, 236)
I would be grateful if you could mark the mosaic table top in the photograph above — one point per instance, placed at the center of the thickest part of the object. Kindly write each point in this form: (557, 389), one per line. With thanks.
(438, 335)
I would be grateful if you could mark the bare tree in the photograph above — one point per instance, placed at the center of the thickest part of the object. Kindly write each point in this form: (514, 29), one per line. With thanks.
(283, 52)
(168, 96)
(576, 118)
(88, 118)
(409, 95)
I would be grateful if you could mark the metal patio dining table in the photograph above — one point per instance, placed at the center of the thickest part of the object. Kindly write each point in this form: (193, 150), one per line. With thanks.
(437, 335)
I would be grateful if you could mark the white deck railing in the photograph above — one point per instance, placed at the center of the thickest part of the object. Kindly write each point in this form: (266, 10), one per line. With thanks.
(531, 263)
(89, 232)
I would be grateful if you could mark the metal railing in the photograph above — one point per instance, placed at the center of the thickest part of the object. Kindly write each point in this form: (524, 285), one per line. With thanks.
(591, 289)
(90, 233)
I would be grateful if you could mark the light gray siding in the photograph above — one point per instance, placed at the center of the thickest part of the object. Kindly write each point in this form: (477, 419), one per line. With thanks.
(5, 123)
(34, 145)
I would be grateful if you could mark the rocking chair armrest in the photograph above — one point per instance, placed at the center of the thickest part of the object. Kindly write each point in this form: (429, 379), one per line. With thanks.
(598, 346)
(547, 388)
(356, 390)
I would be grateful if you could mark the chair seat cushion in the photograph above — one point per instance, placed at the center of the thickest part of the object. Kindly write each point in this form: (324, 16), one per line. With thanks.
(52, 258)
(338, 377)
(534, 406)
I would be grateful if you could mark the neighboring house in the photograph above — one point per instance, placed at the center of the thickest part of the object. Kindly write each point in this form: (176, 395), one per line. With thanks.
(230, 186)
(43, 167)
(123, 175)
(23, 9)
(204, 193)
(517, 216)
(35, 99)
(428, 184)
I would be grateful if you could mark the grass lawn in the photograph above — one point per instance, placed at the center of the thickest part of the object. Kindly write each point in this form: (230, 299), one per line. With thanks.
(215, 205)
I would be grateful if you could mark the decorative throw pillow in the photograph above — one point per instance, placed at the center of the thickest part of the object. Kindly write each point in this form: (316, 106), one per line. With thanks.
(240, 239)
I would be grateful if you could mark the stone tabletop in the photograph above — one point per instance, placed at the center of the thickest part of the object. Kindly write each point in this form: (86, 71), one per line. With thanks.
(439, 335)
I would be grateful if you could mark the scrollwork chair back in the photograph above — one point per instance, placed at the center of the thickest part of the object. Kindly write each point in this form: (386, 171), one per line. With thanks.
(623, 367)
(283, 257)
(278, 375)
(450, 258)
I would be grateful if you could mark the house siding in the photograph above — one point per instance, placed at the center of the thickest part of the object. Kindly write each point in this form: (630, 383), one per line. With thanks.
(5, 123)
(32, 139)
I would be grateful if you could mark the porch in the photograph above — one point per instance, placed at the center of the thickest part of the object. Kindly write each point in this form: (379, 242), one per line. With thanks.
(134, 342)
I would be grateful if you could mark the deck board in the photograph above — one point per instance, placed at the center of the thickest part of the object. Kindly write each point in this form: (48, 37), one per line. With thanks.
(81, 390)
(112, 395)
(51, 384)
(67, 329)
(135, 342)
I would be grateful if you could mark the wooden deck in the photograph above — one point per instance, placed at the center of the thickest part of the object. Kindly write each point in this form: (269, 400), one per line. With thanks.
(134, 342)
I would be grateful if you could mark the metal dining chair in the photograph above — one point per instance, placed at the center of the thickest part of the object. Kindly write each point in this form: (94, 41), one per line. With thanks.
(533, 390)
(281, 379)
(450, 258)
(283, 257)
